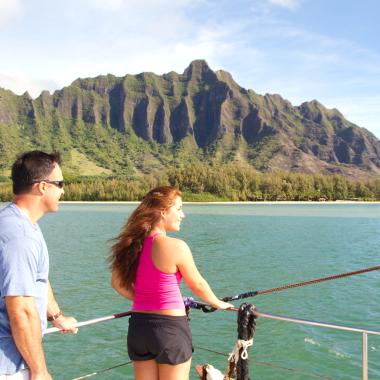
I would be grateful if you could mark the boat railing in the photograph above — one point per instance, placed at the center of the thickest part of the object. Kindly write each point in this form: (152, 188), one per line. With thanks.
(363, 331)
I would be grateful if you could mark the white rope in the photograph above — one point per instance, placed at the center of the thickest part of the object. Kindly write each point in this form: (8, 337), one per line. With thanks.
(240, 343)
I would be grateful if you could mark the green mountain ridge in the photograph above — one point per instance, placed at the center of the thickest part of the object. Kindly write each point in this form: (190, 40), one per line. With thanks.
(139, 123)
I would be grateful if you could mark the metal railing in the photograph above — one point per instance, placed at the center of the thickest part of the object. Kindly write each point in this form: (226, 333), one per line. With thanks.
(364, 332)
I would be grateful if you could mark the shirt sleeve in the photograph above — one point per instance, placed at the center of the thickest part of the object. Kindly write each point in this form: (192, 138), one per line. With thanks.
(19, 268)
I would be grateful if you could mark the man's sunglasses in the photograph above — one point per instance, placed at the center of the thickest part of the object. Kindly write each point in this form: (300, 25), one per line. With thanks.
(56, 183)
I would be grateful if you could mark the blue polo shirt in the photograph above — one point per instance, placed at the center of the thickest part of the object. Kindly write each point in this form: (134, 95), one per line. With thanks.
(24, 270)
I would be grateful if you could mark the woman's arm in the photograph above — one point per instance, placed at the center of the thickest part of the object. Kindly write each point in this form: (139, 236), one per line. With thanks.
(197, 284)
(123, 291)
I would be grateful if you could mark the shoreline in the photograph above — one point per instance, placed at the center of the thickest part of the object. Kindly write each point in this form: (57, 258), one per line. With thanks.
(236, 202)
(227, 202)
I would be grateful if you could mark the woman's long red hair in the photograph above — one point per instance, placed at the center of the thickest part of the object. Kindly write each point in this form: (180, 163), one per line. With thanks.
(126, 251)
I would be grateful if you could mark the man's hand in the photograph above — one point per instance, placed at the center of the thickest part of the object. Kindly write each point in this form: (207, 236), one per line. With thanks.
(66, 324)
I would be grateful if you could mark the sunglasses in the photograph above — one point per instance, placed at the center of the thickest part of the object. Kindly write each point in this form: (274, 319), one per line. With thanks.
(56, 183)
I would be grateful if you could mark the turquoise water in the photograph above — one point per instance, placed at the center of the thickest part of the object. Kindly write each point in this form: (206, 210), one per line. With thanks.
(237, 248)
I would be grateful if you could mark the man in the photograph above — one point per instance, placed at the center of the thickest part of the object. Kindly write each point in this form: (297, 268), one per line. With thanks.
(26, 297)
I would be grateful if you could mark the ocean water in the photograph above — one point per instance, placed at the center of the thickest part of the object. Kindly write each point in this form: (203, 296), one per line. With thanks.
(237, 248)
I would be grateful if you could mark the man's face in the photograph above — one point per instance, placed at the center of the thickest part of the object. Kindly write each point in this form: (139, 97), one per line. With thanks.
(52, 191)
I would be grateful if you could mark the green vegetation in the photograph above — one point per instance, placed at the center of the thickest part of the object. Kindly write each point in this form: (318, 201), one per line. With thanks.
(81, 165)
(202, 182)
(120, 136)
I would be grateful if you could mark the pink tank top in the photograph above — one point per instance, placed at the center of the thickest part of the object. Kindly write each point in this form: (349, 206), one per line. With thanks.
(155, 290)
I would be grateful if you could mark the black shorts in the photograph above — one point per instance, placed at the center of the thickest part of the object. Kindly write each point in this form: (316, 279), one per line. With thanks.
(164, 338)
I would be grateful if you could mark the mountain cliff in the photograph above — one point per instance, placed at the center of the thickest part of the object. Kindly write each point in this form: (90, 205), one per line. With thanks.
(139, 122)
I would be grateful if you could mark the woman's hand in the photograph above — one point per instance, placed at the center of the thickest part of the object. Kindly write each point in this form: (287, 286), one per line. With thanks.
(221, 305)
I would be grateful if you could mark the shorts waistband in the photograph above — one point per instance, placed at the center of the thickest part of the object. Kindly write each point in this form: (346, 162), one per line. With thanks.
(158, 317)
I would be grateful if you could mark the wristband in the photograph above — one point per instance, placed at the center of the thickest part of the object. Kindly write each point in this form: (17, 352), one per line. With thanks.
(54, 316)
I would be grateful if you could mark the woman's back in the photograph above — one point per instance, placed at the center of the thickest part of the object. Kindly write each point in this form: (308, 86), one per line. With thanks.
(157, 278)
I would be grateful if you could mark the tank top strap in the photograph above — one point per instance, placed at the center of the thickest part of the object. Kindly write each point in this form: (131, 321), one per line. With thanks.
(146, 253)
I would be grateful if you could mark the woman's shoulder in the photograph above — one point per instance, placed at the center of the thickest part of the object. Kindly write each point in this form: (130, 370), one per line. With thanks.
(167, 242)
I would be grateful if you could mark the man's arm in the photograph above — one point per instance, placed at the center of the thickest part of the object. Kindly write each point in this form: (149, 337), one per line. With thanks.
(65, 323)
(26, 331)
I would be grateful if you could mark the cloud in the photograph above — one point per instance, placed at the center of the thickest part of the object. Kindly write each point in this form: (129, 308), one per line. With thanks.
(289, 4)
(20, 83)
(109, 5)
(210, 43)
(137, 6)
(136, 40)
(9, 9)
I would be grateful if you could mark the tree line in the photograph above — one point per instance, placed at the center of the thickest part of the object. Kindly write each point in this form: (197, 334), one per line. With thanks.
(201, 182)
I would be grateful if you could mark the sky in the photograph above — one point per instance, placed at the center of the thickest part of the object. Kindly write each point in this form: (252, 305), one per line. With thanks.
(327, 50)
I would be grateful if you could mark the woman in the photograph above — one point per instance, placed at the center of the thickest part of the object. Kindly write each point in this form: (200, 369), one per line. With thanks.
(147, 267)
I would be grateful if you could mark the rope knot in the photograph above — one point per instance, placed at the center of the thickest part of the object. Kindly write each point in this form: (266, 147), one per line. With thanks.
(240, 344)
